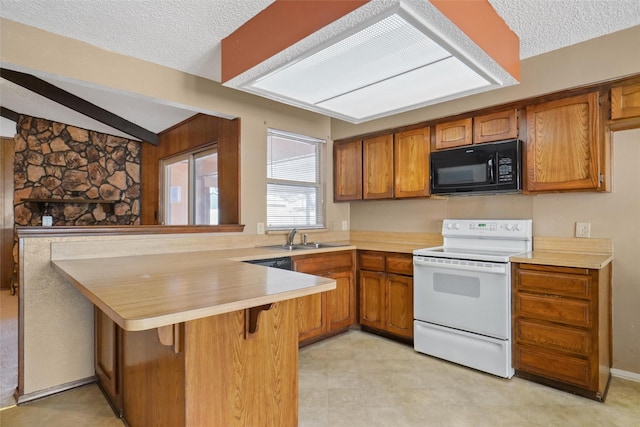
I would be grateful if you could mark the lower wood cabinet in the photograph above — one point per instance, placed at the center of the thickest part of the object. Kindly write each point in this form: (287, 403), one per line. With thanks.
(108, 359)
(562, 327)
(324, 314)
(386, 292)
(212, 371)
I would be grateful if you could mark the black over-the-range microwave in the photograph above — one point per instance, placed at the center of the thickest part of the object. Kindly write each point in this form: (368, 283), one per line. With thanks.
(490, 168)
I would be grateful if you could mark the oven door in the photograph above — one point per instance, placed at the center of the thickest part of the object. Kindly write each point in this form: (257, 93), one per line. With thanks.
(473, 296)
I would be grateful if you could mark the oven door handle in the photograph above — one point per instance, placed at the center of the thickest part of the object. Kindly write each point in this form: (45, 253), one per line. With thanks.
(471, 266)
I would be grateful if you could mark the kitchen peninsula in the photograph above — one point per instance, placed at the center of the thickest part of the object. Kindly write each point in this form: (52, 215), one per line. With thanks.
(197, 325)
(198, 329)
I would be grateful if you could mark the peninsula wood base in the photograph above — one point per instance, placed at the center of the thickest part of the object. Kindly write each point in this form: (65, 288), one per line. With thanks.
(214, 372)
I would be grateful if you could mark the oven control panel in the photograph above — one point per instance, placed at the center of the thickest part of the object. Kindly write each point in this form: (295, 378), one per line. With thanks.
(495, 228)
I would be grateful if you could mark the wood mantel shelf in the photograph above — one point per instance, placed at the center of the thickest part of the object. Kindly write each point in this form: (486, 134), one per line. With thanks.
(43, 203)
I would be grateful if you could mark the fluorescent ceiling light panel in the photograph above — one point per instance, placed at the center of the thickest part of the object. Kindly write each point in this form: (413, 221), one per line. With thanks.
(392, 62)
(437, 82)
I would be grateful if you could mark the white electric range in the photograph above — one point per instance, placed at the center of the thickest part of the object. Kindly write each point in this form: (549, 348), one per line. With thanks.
(462, 293)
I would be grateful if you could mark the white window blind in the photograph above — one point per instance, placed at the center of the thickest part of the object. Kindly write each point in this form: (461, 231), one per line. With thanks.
(295, 188)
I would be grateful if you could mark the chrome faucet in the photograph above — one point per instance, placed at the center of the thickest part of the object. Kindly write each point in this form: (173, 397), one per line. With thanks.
(292, 234)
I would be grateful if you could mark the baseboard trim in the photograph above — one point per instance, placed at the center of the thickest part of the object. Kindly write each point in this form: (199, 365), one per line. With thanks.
(53, 390)
(619, 373)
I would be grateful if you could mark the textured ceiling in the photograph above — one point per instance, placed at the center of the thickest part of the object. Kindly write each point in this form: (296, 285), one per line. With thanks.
(185, 34)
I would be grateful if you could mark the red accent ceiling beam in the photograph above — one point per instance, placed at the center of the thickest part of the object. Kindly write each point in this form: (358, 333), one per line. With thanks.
(480, 22)
(277, 27)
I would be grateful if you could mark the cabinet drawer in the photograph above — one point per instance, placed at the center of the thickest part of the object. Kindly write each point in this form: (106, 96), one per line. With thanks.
(400, 264)
(553, 337)
(572, 370)
(323, 263)
(562, 310)
(571, 285)
(371, 261)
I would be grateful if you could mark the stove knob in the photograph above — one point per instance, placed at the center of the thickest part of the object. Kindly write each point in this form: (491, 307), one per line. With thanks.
(449, 226)
(509, 227)
(457, 226)
(518, 227)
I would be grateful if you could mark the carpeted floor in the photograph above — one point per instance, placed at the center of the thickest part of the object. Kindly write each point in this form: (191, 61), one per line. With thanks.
(8, 347)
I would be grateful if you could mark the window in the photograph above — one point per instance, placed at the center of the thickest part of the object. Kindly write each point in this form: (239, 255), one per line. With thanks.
(191, 188)
(295, 193)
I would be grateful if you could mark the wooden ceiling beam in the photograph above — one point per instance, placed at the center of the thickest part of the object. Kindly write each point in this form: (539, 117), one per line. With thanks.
(9, 114)
(78, 104)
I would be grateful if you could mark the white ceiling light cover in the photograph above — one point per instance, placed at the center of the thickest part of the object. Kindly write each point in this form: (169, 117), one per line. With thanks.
(391, 63)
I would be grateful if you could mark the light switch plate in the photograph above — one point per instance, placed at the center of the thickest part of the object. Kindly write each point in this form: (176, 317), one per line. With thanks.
(261, 228)
(345, 225)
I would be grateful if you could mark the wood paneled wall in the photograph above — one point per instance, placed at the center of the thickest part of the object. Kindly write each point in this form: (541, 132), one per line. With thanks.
(195, 132)
(6, 211)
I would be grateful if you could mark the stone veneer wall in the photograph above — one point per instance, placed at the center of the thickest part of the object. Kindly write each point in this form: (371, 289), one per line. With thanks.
(58, 161)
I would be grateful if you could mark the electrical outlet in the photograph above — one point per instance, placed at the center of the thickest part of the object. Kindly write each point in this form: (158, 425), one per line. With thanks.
(583, 229)
(261, 228)
(345, 225)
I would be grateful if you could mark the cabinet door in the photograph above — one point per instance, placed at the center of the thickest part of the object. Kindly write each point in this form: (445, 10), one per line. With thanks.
(372, 286)
(411, 163)
(563, 145)
(347, 171)
(495, 127)
(108, 342)
(453, 134)
(341, 301)
(399, 305)
(625, 101)
(377, 154)
(327, 311)
(311, 311)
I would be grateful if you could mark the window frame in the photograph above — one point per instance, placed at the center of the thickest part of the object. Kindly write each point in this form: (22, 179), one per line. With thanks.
(319, 185)
(191, 156)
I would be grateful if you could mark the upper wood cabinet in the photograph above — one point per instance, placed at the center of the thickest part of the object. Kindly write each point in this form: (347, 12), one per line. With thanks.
(411, 163)
(347, 171)
(563, 147)
(495, 127)
(454, 134)
(377, 159)
(382, 167)
(625, 101)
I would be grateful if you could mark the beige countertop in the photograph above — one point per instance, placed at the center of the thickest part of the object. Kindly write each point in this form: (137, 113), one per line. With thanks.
(568, 252)
(150, 291)
(564, 259)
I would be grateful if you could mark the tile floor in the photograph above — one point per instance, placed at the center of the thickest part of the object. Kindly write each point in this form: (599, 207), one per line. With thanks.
(359, 379)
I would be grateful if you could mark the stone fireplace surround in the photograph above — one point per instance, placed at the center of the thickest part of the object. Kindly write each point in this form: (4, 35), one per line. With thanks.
(58, 161)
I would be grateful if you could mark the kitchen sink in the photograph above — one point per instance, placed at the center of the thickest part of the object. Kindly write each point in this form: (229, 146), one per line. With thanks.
(302, 246)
